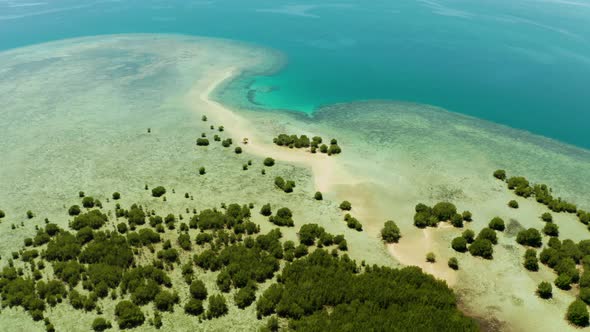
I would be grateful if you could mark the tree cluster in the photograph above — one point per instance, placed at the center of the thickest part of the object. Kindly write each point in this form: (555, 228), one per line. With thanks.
(531, 262)
(530, 237)
(543, 194)
(284, 217)
(294, 141)
(286, 186)
(427, 216)
(353, 223)
(376, 299)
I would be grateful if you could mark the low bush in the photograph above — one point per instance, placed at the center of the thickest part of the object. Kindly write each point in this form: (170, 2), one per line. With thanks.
(390, 233)
(158, 191)
(544, 290)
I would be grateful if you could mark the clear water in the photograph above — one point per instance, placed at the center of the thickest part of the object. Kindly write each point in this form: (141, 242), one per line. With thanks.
(523, 63)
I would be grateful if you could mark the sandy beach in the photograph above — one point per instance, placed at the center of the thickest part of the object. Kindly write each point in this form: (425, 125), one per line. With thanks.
(326, 171)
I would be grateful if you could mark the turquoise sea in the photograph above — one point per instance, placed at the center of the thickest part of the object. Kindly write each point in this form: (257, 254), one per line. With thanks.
(522, 63)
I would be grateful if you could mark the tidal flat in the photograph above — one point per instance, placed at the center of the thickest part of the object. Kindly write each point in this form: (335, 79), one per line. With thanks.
(76, 116)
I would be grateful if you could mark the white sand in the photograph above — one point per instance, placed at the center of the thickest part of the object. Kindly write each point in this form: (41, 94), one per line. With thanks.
(326, 171)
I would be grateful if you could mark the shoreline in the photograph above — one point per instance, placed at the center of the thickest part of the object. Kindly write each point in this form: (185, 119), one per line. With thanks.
(329, 177)
(326, 172)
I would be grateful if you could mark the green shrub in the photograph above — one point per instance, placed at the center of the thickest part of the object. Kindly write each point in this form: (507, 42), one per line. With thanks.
(93, 219)
(301, 250)
(52, 229)
(165, 300)
(500, 174)
(430, 257)
(272, 324)
(444, 211)
(453, 263)
(202, 170)
(269, 162)
(530, 237)
(238, 150)
(563, 281)
(226, 143)
(293, 141)
(265, 210)
(421, 219)
(551, 229)
(390, 233)
(194, 307)
(308, 233)
(170, 255)
(513, 204)
(2, 214)
(577, 313)
(467, 216)
(353, 223)
(245, 296)
(101, 324)
(203, 238)
(217, 306)
(289, 185)
(64, 247)
(459, 244)
(488, 234)
(334, 149)
(520, 185)
(88, 202)
(497, 224)
(585, 294)
(30, 214)
(158, 191)
(122, 228)
(283, 217)
(345, 206)
(547, 217)
(318, 196)
(184, 241)
(198, 290)
(202, 141)
(468, 235)
(544, 290)
(531, 262)
(280, 182)
(482, 248)
(457, 220)
(85, 235)
(128, 315)
(74, 210)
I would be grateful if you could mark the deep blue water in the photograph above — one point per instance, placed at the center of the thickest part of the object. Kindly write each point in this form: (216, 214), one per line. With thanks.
(525, 64)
